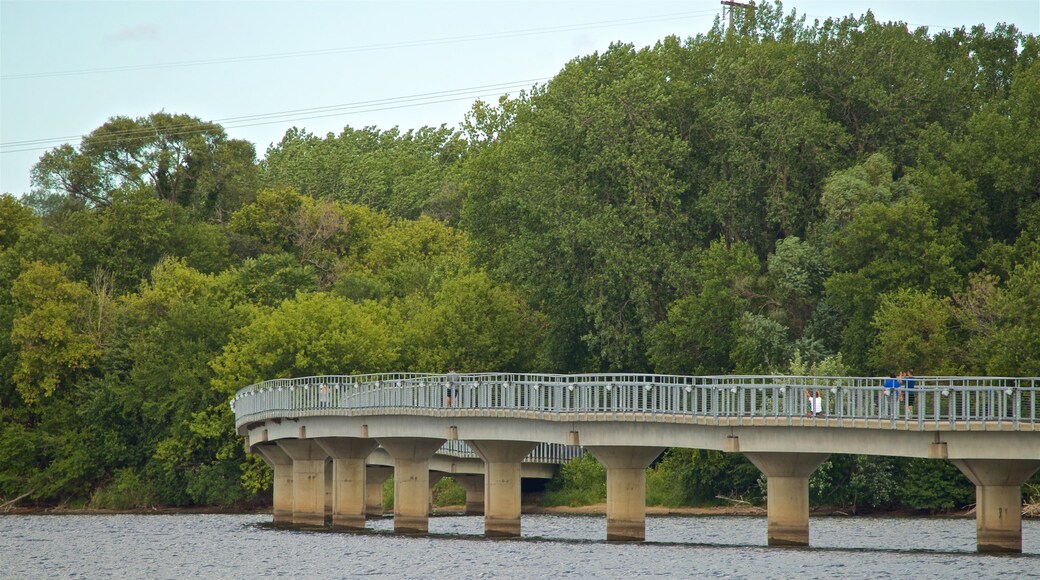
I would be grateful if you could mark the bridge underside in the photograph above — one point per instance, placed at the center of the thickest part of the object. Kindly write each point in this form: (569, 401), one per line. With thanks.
(997, 461)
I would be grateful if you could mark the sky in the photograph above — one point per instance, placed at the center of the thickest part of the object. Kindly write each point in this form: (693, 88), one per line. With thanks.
(260, 68)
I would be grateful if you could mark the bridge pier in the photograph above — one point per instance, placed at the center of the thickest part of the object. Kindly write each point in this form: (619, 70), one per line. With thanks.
(626, 489)
(501, 484)
(998, 500)
(787, 494)
(375, 475)
(411, 481)
(308, 490)
(282, 490)
(474, 486)
(348, 478)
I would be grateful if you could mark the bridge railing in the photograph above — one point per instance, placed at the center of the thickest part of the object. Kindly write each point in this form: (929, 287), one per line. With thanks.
(950, 400)
(544, 453)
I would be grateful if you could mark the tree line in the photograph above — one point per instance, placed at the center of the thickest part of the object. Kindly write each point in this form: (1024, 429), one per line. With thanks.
(837, 197)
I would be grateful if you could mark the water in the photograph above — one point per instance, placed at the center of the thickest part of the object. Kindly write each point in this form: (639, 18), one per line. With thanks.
(241, 546)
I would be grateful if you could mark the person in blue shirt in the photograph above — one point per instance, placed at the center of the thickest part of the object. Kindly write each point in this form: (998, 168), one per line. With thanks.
(909, 382)
(891, 384)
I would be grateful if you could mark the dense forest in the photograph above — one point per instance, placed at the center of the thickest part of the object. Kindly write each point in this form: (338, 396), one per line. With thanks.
(837, 197)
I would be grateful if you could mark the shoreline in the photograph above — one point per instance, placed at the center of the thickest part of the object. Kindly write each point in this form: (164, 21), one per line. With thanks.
(528, 509)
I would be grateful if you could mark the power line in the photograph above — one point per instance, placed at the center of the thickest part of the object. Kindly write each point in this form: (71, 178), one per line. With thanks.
(291, 115)
(368, 48)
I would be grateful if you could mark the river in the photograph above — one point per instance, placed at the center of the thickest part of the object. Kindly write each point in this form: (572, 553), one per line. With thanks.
(245, 546)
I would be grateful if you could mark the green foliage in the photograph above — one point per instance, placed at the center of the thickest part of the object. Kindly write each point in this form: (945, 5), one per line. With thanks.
(935, 486)
(762, 345)
(475, 326)
(581, 481)
(178, 158)
(312, 334)
(831, 197)
(447, 491)
(697, 477)
(49, 330)
(913, 333)
(856, 482)
(399, 173)
(128, 490)
(700, 331)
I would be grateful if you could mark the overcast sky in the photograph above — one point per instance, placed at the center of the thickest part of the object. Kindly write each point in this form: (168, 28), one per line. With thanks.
(259, 68)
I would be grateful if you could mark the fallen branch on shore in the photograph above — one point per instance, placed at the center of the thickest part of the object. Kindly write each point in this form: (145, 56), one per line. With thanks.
(733, 500)
(9, 505)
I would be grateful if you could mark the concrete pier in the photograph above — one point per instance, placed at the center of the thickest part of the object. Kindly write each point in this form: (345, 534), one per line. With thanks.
(502, 484)
(308, 490)
(282, 466)
(626, 489)
(474, 486)
(348, 479)
(787, 494)
(998, 500)
(411, 481)
(375, 475)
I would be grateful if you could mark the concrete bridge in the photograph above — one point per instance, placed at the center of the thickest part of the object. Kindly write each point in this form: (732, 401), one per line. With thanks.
(989, 427)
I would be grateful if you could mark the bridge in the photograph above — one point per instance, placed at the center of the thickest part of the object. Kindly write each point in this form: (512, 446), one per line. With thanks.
(987, 427)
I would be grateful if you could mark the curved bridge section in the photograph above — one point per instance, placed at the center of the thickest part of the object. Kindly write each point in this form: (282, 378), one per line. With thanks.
(989, 427)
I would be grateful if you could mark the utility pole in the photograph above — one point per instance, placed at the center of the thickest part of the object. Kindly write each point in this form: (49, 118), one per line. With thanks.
(731, 4)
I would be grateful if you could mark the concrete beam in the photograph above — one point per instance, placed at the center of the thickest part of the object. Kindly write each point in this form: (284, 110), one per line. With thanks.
(787, 494)
(626, 489)
(411, 481)
(502, 484)
(998, 500)
(308, 480)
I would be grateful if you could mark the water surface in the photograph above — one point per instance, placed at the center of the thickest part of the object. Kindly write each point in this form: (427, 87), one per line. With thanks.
(241, 546)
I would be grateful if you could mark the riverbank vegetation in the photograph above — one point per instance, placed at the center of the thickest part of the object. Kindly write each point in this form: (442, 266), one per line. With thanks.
(834, 197)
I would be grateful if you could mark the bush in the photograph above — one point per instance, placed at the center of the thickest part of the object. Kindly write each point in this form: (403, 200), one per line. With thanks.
(128, 490)
(934, 485)
(447, 491)
(582, 481)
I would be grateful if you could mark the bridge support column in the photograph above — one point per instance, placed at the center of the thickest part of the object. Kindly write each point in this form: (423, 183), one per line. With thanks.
(375, 475)
(474, 486)
(308, 480)
(998, 500)
(626, 489)
(282, 466)
(787, 494)
(411, 481)
(348, 479)
(501, 484)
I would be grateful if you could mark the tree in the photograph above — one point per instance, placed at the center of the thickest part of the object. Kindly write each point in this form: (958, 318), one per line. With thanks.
(913, 332)
(178, 158)
(311, 334)
(50, 330)
(389, 171)
(699, 333)
(761, 346)
(474, 325)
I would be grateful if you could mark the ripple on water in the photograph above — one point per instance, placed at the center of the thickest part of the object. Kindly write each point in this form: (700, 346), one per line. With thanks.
(221, 546)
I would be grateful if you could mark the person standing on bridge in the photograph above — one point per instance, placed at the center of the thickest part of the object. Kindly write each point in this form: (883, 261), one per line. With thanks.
(909, 382)
(891, 384)
(815, 403)
(452, 380)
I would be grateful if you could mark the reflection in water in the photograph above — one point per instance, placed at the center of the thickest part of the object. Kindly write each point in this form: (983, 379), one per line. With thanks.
(220, 546)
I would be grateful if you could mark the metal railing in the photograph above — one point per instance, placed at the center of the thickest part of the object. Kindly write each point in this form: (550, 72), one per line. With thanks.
(544, 453)
(953, 401)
